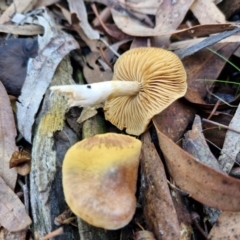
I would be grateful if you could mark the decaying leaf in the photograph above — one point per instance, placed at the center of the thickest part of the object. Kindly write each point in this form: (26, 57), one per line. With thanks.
(13, 214)
(19, 157)
(168, 17)
(206, 185)
(6, 235)
(8, 134)
(27, 30)
(226, 227)
(21, 160)
(88, 112)
(174, 120)
(206, 11)
(142, 6)
(157, 201)
(53, 46)
(92, 71)
(17, 6)
(78, 8)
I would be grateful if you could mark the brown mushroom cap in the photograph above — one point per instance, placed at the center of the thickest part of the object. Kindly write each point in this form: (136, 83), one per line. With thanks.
(99, 179)
(162, 78)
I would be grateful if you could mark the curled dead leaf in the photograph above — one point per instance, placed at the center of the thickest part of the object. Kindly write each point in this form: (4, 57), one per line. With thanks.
(19, 157)
(13, 214)
(226, 227)
(21, 160)
(203, 183)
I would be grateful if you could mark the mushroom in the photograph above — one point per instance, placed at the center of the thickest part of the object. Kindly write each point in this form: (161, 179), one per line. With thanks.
(145, 82)
(99, 179)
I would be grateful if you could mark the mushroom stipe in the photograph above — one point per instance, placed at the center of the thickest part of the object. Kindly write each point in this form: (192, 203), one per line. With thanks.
(145, 82)
(100, 177)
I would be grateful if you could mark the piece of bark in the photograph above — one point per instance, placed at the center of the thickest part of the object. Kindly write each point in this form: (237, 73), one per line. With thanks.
(231, 146)
(158, 208)
(47, 199)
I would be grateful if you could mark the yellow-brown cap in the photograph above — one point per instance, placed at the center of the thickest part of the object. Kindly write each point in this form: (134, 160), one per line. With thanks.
(99, 179)
(162, 78)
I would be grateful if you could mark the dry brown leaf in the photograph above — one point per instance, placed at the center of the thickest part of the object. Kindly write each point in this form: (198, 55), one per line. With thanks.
(26, 30)
(13, 214)
(174, 120)
(204, 184)
(207, 12)
(17, 6)
(202, 30)
(168, 17)
(41, 3)
(93, 44)
(157, 201)
(226, 227)
(109, 28)
(130, 25)
(92, 71)
(65, 13)
(6, 235)
(78, 8)
(140, 42)
(142, 6)
(8, 134)
(134, 27)
(104, 15)
(19, 157)
(88, 112)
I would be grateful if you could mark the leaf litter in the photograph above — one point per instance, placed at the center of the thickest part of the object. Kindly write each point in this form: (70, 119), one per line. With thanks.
(185, 162)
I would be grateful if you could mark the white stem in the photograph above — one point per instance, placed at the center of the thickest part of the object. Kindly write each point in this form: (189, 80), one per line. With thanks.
(92, 94)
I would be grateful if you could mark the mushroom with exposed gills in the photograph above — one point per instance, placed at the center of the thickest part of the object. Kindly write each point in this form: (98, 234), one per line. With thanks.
(145, 82)
(100, 177)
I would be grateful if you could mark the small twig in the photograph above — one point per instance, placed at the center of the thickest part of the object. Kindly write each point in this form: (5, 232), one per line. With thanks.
(104, 57)
(213, 144)
(214, 109)
(220, 125)
(54, 233)
(112, 49)
(172, 186)
(195, 218)
(140, 226)
(25, 193)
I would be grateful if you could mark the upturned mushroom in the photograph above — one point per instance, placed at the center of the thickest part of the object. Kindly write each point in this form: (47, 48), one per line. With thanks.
(145, 82)
(99, 179)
